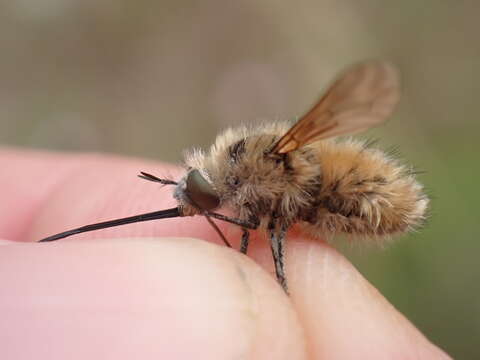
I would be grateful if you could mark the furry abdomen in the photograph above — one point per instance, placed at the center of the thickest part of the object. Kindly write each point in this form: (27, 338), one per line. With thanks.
(363, 192)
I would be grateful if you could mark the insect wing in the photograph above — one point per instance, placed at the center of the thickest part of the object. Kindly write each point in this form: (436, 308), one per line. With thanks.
(364, 96)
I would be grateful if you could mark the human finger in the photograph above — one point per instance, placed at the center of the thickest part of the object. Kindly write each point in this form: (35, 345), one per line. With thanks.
(343, 315)
(169, 298)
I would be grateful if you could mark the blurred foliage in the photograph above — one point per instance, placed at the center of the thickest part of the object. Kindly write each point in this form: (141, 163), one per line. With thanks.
(149, 78)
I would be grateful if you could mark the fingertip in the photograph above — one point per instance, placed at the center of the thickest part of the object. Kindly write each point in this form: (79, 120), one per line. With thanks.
(344, 316)
(46, 192)
(172, 298)
(279, 334)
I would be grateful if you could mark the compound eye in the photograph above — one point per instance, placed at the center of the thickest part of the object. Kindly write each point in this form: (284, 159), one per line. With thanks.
(201, 192)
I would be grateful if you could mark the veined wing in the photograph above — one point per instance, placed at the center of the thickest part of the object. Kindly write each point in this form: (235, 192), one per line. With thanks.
(363, 96)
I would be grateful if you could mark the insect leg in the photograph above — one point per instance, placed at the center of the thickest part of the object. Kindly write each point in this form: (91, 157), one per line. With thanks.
(245, 240)
(246, 224)
(277, 242)
(219, 232)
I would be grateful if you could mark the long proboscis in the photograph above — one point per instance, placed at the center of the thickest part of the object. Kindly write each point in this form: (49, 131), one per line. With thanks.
(156, 215)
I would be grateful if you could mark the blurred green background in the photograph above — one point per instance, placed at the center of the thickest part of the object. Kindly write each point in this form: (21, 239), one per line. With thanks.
(150, 78)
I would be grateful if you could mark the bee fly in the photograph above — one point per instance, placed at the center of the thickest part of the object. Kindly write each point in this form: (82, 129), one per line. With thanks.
(275, 175)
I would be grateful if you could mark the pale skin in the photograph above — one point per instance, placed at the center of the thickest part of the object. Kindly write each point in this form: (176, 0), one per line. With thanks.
(151, 291)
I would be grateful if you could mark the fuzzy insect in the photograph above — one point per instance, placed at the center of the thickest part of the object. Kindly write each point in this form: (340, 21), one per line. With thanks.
(275, 175)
